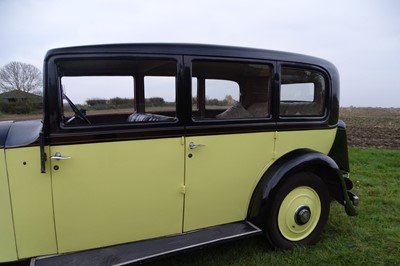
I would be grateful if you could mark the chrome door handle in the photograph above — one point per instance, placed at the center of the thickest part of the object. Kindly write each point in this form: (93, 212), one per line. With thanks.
(194, 146)
(58, 156)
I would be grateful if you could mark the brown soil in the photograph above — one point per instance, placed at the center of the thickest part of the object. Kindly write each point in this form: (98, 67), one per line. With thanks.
(372, 127)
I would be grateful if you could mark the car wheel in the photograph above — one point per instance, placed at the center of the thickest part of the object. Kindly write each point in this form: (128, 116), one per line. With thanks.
(299, 211)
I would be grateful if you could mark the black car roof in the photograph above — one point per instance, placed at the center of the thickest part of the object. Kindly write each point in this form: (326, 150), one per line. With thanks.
(192, 49)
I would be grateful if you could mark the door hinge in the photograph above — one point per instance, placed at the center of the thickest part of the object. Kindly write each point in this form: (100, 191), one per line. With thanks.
(275, 140)
(43, 155)
(183, 189)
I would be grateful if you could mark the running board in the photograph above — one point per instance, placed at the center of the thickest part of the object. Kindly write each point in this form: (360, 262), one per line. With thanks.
(149, 249)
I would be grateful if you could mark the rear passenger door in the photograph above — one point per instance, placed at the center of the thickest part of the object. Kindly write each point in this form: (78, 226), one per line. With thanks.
(230, 138)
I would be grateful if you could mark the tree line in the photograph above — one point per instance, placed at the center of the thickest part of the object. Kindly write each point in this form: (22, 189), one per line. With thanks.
(21, 82)
(20, 77)
(20, 88)
(118, 103)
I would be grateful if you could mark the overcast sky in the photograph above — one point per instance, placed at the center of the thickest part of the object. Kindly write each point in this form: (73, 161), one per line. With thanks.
(361, 37)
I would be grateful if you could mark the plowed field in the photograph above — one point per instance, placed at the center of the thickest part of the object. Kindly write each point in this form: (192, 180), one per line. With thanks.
(372, 127)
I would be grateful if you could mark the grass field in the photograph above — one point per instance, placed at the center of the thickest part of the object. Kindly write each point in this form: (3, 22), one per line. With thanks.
(371, 238)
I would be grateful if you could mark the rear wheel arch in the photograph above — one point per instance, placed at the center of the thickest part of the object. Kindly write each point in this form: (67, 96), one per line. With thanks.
(280, 172)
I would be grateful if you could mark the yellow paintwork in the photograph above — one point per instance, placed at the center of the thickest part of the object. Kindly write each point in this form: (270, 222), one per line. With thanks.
(300, 196)
(8, 250)
(116, 192)
(31, 201)
(317, 140)
(221, 176)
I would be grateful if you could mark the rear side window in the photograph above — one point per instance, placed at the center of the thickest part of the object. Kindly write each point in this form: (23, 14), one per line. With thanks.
(302, 92)
(230, 90)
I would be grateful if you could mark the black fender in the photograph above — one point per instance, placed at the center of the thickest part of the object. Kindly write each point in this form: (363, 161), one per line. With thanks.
(292, 162)
(339, 150)
(4, 128)
(19, 133)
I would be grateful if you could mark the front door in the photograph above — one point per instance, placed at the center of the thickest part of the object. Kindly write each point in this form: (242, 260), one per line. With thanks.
(117, 150)
(116, 192)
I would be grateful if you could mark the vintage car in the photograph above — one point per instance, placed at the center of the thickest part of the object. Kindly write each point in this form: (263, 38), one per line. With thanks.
(151, 149)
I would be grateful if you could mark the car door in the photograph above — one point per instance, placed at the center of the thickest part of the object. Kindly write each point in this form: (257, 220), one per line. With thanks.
(221, 176)
(116, 192)
(230, 142)
(118, 166)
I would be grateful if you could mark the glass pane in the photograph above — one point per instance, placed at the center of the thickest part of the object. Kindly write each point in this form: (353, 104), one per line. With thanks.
(84, 88)
(118, 91)
(302, 92)
(159, 94)
(221, 93)
(230, 90)
(195, 102)
(97, 95)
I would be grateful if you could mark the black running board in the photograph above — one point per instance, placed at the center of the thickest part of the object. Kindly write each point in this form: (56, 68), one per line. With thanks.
(150, 249)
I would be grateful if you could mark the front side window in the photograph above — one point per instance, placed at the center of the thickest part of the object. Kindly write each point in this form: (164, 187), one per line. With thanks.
(102, 92)
(230, 90)
(302, 93)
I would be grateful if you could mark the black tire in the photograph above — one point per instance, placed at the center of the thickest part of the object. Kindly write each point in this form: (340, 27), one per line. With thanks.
(298, 212)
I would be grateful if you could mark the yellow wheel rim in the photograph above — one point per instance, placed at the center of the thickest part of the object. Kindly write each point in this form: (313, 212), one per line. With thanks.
(299, 213)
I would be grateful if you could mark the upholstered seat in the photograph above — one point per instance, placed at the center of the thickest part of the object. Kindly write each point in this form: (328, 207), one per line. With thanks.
(147, 117)
(259, 109)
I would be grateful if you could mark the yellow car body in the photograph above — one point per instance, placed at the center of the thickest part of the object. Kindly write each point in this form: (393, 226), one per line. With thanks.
(76, 184)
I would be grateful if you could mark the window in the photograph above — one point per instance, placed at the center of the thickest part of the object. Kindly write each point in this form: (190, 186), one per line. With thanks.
(98, 94)
(220, 93)
(159, 93)
(118, 91)
(302, 92)
(230, 90)
(299, 92)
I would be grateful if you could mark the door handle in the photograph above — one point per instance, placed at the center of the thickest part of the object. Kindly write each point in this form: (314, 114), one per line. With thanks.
(58, 156)
(194, 146)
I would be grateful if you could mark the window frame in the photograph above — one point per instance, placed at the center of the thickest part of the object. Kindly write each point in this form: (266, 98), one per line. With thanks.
(303, 119)
(61, 127)
(233, 123)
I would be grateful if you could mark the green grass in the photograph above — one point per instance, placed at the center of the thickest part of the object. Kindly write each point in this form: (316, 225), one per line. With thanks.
(371, 238)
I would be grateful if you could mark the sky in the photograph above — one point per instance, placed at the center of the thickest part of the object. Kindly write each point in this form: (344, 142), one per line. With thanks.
(361, 37)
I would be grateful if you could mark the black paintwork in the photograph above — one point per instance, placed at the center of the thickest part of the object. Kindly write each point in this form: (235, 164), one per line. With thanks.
(4, 128)
(339, 151)
(183, 54)
(20, 133)
(190, 50)
(295, 161)
(137, 252)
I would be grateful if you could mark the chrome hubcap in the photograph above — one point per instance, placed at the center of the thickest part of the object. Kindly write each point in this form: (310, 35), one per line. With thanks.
(302, 215)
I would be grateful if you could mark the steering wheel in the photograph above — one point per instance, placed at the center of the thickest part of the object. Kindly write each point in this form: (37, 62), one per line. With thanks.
(78, 113)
